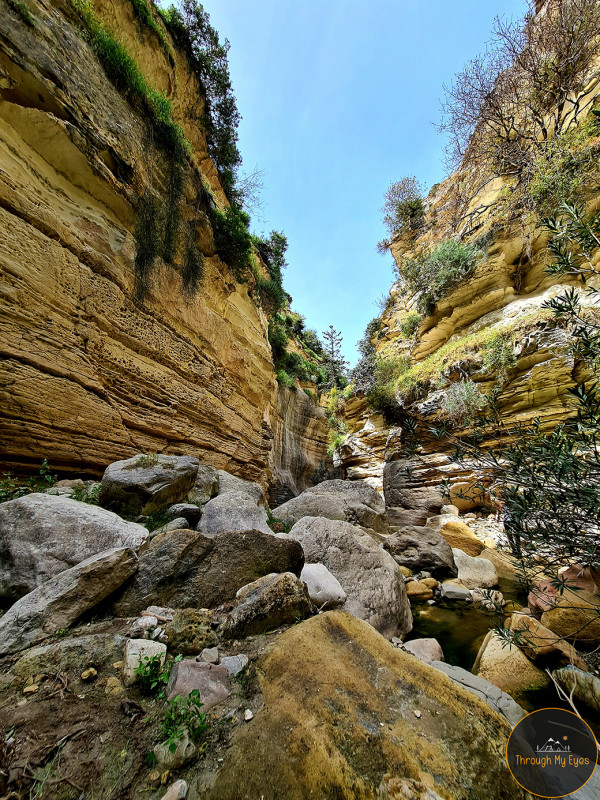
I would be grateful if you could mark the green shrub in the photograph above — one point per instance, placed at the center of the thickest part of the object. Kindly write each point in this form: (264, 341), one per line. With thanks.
(403, 208)
(462, 402)
(334, 440)
(23, 11)
(410, 325)
(278, 339)
(151, 674)
(183, 715)
(145, 16)
(499, 355)
(434, 276)
(232, 239)
(285, 380)
(11, 488)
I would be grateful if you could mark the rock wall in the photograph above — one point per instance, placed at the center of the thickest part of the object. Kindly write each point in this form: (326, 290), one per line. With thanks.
(89, 375)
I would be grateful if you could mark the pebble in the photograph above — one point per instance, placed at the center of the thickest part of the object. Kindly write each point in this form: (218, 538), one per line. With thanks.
(113, 686)
(154, 776)
(248, 715)
(176, 791)
(89, 674)
(418, 714)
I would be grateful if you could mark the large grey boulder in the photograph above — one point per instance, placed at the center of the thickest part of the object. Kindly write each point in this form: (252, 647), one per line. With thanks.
(350, 501)
(493, 696)
(206, 485)
(422, 549)
(233, 511)
(475, 573)
(187, 569)
(42, 535)
(267, 603)
(58, 603)
(231, 483)
(369, 576)
(144, 484)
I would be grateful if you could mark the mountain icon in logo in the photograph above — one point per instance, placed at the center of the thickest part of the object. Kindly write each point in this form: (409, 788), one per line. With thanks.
(554, 746)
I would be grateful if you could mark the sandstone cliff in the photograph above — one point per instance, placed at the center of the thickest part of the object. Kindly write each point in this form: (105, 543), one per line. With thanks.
(89, 375)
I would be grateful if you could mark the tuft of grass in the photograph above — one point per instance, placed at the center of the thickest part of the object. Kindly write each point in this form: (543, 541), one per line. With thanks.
(285, 380)
(23, 11)
(145, 16)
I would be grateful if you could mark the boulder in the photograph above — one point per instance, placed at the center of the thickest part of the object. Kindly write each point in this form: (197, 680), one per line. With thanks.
(42, 535)
(136, 652)
(418, 591)
(233, 511)
(206, 485)
(505, 564)
(454, 590)
(323, 730)
(190, 632)
(267, 603)
(575, 616)
(324, 589)
(211, 681)
(231, 483)
(144, 484)
(58, 603)
(187, 569)
(173, 525)
(188, 511)
(460, 536)
(475, 573)
(543, 647)
(584, 685)
(426, 650)
(421, 548)
(350, 501)
(507, 667)
(368, 574)
(71, 655)
(495, 698)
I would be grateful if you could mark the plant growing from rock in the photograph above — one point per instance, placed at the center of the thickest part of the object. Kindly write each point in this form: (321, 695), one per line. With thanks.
(403, 210)
(462, 402)
(183, 714)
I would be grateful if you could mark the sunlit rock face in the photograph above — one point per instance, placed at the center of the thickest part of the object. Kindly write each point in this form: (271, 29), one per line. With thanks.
(88, 375)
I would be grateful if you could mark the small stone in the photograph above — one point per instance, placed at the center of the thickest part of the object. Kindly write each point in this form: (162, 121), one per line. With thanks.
(234, 664)
(177, 791)
(117, 664)
(136, 650)
(142, 625)
(154, 777)
(113, 686)
(89, 674)
(417, 714)
(248, 715)
(31, 689)
(210, 655)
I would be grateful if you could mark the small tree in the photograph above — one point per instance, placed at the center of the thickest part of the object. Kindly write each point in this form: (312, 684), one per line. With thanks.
(333, 361)
(403, 207)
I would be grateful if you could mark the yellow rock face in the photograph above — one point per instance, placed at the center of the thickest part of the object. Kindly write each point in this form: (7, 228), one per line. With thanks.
(575, 616)
(88, 375)
(459, 535)
(507, 667)
(344, 714)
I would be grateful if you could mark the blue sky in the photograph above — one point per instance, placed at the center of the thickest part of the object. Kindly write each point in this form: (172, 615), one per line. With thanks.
(338, 99)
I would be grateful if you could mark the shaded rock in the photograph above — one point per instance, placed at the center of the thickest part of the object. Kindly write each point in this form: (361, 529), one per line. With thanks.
(421, 548)
(368, 574)
(71, 655)
(234, 664)
(142, 627)
(500, 701)
(576, 616)
(426, 650)
(135, 652)
(324, 589)
(42, 535)
(188, 511)
(475, 573)
(186, 569)
(404, 517)
(507, 667)
(323, 670)
(233, 511)
(460, 536)
(174, 525)
(584, 685)
(190, 632)
(401, 491)
(454, 590)
(350, 501)
(209, 680)
(450, 509)
(144, 484)
(168, 757)
(206, 485)
(267, 603)
(542, 597)
(58, 603)
(418, 591)
(229, 483)
(542, 646)
(489, 599)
